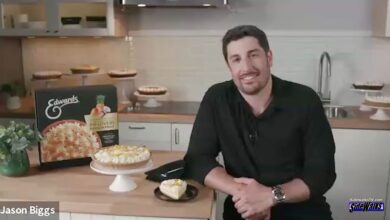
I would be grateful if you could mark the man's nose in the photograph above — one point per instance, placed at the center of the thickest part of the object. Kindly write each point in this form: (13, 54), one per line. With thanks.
(247, 65)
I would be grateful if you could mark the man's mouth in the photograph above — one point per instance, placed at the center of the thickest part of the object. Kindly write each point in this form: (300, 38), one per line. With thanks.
(247, 78)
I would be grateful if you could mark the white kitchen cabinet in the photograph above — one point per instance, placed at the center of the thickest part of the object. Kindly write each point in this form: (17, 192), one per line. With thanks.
(181, 134)
(49, 13)
(362, 163)
(156, 136)
(381, 20)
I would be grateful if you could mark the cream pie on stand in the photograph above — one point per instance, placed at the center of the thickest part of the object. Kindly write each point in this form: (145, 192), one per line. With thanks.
(368, 89)
(381, 103)
(122, 161)
(153, 94)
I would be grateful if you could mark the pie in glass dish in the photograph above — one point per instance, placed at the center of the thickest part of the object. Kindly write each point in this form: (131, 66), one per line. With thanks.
(122, 156)
(68, 139)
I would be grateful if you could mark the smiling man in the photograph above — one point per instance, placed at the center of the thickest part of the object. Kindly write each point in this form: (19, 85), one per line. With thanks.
(276, 142)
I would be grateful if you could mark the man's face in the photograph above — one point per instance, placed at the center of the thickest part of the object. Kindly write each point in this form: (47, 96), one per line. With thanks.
(249, 65)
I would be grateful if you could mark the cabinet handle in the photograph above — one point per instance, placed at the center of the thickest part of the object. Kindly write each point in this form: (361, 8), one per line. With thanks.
(136, 128)
(47, 31)
(55, 31)
(177, 141)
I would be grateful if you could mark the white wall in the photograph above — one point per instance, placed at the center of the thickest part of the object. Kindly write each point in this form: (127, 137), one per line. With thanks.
(181, 48)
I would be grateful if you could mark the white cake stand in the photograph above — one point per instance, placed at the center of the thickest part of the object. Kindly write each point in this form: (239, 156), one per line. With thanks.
(124, 88)
(123, 181)
(366, 92)
(380, 114)
(152, 100)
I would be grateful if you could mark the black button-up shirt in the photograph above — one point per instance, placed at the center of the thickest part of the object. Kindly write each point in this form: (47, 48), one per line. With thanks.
(290, 139)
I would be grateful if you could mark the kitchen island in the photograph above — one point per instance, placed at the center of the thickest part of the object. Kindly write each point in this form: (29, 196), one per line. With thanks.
(84, 194)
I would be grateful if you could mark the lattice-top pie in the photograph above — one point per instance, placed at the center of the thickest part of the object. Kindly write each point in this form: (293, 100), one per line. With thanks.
(68, 139)
(152, 90)
(122, 156)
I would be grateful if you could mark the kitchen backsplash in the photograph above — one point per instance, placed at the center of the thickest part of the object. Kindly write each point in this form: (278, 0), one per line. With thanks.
(188, 65)
(11, 68)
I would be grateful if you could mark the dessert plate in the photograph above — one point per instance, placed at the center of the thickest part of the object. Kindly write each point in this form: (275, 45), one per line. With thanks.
(190, 193)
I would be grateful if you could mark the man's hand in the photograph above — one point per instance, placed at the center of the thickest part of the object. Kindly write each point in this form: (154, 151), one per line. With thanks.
(254, 200)
(265, 215)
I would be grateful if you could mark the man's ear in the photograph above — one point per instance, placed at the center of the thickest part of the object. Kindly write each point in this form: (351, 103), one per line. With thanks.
(269, 57)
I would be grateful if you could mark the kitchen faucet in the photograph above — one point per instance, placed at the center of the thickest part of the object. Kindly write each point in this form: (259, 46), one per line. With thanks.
(324, 96)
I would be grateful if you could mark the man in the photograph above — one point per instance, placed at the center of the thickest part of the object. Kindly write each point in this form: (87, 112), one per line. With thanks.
(276, 142)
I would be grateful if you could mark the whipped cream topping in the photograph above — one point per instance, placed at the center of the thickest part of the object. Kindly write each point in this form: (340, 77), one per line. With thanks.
(122, 154)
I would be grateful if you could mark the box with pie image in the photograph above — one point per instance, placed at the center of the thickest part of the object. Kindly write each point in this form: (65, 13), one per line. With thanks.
(74, 123)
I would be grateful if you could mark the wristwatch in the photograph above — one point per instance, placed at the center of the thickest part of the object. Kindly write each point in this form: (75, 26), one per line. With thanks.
(278, 193)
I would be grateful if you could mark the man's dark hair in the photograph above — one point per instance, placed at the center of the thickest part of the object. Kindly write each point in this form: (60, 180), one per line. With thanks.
(242, 31)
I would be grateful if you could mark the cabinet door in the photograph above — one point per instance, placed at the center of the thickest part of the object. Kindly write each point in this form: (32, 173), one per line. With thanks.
(181, 134)
(156, 136)
(381, 18)
(96, 17)
(362, 158)
(60, 18)
(24, 18)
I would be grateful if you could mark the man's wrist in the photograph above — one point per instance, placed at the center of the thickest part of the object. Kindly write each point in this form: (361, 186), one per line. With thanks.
(278, 194)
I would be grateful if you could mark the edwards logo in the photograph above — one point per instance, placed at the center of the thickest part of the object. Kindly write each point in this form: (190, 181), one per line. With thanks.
(54, 106)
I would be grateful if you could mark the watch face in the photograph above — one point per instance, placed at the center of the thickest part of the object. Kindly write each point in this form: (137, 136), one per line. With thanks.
(278, 194)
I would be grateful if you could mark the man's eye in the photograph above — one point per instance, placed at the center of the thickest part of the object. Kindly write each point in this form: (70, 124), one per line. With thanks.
(235, 60)
(254, 55)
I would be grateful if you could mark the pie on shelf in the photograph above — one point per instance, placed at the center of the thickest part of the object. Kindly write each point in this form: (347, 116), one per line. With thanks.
(86, 68)
(122, 73)
(173, 188)
(152, 90)
(378, 101)
(122, 156)
(68, 139)
(47, 75)
(368, 85)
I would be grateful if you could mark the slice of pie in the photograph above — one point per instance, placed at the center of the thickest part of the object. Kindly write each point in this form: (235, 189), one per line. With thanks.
(122, 73)
(173, 188)
(47, 75)
(122, 156)
(152, 90)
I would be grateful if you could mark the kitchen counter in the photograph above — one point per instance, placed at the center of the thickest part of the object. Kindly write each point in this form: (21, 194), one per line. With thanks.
(184, 112)
(81, 190)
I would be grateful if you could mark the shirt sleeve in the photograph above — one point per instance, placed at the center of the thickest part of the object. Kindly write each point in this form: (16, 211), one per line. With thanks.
(319, 149)
(203, 147)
